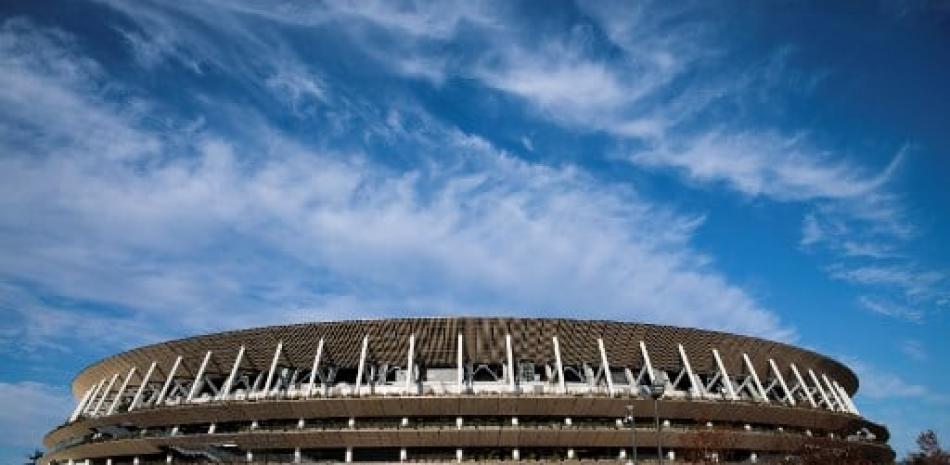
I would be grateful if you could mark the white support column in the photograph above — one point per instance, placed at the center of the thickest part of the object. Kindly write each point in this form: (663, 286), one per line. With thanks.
(316, 368)
(138, 393)
(297, 455)
(781, 381)
(847, 399)
(265, 391)
(845, 402)
(226, 388)
(410, 369)
(360, 367)
(349, 455)
(694, 388)
(726, 380)
(755, 376)
(105, 394)
(118, 396)
(804, 386)
(821, 390)
(168, 382)
(196, 385)
(95, 395)
(834, 393)
(560, 366)
(646, 362)
(511, 364)
(605, 366)
(461, 366)
(82, 403)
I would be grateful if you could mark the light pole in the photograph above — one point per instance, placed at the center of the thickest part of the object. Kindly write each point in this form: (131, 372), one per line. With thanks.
(633, 433)
(656, 391)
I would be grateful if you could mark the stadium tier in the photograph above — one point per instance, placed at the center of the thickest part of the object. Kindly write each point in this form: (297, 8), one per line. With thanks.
(464, 389)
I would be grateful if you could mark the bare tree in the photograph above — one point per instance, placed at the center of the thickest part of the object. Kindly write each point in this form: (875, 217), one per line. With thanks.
(32, 458)
(709, 446)
(824, 451)
(929, 451)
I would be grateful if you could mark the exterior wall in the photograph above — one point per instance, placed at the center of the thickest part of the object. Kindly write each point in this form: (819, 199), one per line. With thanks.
(759, 396)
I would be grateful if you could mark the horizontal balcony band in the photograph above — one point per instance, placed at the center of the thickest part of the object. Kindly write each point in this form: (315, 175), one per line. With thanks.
(417, 406)
(499, 438)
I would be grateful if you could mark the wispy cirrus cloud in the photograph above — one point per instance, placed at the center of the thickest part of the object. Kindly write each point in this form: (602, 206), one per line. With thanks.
(914, 349)
(300, 88)
(186, 225)
(43, 70)
(884, 384)
(766, 164)
(643, 96)
(891, 309)
(913, 283)
(560, 79)
(898, 290)
(897, 400)
(34, 408)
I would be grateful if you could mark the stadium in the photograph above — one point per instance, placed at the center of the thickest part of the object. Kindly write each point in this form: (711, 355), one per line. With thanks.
(464, 389)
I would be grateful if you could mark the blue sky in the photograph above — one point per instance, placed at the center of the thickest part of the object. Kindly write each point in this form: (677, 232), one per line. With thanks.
(776, 170)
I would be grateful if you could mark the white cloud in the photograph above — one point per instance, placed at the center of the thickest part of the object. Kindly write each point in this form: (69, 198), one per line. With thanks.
(298, 87)
(627, 94)
(764, 164)
(887, 308)
(497, 239)
(42, 72)
(153, 50)
(34, 328)
(812, 231)
(414, 18)
(898, 401)
(558, 81)
(870, 249)
(566, 84)
(527, 144)
(553, 73)
(914, 349)
(28, 410)
(913, 283)
(269, 231)
(880, 384)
